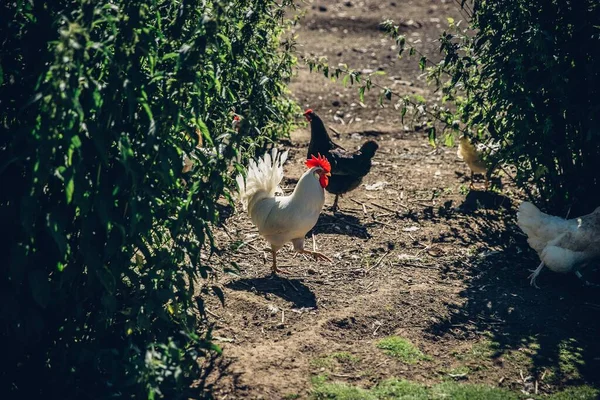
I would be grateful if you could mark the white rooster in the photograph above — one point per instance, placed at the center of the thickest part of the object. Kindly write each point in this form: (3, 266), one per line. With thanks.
(564, 245)
(282, 219)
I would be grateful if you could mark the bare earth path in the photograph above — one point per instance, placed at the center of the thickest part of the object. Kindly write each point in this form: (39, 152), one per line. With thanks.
(415, 255)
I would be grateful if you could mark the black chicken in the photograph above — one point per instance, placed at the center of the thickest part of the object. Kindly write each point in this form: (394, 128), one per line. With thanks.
(347, 168)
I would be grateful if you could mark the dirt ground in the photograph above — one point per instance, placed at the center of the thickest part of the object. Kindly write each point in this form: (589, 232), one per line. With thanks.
(416, 254)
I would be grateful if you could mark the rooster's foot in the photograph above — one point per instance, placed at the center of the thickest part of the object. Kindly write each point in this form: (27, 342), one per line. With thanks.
(535, 274)
(334, 207)
(318, 256)
(275, 271)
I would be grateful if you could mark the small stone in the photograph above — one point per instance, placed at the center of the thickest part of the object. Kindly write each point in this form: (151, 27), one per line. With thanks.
(336, 103)
(322, 8)
(348, 4)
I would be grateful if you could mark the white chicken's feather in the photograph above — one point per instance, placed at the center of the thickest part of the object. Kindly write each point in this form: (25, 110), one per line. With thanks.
(563, 245)
(262, 178)
(541, 228)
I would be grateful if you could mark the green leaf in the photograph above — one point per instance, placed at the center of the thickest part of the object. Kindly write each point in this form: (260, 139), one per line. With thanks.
(361, 93)
(69, 189)
(345, 80)
(422, 63)
(75, 141)
(432, 136)
(204, 131)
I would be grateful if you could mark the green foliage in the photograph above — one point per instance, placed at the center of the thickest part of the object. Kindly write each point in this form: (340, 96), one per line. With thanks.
(402, 349)
(107, 253)
(529, 80)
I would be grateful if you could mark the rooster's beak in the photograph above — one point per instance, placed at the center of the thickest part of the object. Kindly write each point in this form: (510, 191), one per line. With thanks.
(327, 174)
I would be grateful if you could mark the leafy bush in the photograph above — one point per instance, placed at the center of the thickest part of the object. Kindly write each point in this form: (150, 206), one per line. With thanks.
(524, 76)
(107, 249)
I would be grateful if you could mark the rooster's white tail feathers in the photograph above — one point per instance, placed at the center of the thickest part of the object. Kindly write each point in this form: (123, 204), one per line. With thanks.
(262, 178)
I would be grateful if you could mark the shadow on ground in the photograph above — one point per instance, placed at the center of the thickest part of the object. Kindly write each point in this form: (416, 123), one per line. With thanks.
(292, 290)
(341, 224)
(559, 323)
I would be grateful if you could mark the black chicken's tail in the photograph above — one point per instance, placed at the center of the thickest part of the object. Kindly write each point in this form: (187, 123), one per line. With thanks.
(369, 148)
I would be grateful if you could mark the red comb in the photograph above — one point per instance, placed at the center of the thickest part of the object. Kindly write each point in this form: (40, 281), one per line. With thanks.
(309, 111)
(319, 161)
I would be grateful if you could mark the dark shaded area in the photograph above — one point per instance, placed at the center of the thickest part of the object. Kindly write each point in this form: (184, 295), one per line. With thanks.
(214, 369)
(341, 224)
(292, 290)
(563, 317)
(225, 211)
(479, 199)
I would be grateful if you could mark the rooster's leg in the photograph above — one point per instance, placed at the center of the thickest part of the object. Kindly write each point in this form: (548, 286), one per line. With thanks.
(472, 185)
(535, 274)
(334, 208)
(274, 269)
(487, 183)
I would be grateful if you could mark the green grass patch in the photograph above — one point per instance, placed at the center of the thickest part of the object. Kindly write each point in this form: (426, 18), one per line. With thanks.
(401, 349)
(345, 357)
(399, 389)
(342, 391)
(319, 380)
(457, 391)
(485, 349)
(570, 358)
(577, 393)
(291, 396)
(342, 357)
(321, 362)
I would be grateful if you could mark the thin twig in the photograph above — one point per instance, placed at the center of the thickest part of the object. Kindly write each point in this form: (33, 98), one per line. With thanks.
(407, 264)
(212, 313)
(389, 209)
(378, 262)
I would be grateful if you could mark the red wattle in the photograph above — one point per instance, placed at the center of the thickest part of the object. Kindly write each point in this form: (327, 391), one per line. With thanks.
(324, 181)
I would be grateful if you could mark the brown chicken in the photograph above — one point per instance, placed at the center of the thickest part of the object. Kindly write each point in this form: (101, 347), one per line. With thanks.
(348, 168)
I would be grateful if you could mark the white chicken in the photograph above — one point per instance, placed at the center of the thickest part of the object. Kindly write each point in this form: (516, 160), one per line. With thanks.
(282, 219)
(564, 245)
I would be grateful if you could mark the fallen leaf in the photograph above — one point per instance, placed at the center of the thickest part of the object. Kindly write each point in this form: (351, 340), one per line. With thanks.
(411, 229)
(376, 186)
